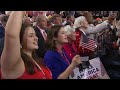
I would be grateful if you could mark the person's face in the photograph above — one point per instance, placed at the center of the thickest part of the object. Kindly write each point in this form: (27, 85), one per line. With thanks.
(58, 20)
(43, 23)
(30, 40)
(89, 18)
(62, 37)
(73, 36)
(84, 24)
(27, 21)
(72, 19)
(33, 19)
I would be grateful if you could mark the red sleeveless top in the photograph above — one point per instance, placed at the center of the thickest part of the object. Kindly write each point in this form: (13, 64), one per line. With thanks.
(37, 75)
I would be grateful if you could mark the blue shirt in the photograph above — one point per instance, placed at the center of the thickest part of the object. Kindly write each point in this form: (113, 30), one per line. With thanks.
(55, 62)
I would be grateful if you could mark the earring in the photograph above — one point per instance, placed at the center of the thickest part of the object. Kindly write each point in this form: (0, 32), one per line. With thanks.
(20, 46)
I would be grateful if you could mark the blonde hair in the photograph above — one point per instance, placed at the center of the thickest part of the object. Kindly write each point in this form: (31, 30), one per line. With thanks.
(78, 21)
(69, 29)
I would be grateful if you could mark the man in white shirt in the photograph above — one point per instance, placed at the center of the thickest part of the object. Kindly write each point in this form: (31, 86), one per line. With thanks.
(103, 26)
(92, 30)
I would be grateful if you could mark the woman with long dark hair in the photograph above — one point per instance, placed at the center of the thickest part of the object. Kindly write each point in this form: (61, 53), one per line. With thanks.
(55, 58)
(18, 60)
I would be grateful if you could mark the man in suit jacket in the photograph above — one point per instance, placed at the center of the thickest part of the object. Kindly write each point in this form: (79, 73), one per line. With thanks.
(40, 30)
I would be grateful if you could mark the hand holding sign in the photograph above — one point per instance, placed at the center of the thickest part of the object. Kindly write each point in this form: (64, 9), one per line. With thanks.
(76, 60)
(97, 71)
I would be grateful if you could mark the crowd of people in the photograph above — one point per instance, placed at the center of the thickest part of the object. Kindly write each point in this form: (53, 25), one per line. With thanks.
(50, 44)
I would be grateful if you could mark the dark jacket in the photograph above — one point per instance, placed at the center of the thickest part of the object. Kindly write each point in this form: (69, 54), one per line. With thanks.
(41, 43)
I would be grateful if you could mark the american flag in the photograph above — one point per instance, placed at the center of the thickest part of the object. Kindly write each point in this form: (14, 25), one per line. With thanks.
(88, 43)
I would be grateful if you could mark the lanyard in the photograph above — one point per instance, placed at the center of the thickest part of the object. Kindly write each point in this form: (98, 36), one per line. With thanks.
(39, 68)
(64, 56)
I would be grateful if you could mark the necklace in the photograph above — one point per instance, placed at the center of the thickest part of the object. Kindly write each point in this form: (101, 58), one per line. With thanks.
(64, 56)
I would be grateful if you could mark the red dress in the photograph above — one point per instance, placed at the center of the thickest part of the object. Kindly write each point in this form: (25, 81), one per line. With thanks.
(38, 74)
(70, 50)
(82, 51)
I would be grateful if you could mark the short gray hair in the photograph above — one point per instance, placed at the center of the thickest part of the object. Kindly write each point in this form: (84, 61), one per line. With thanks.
(78, 21)
(69, 30)
(38, 18)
